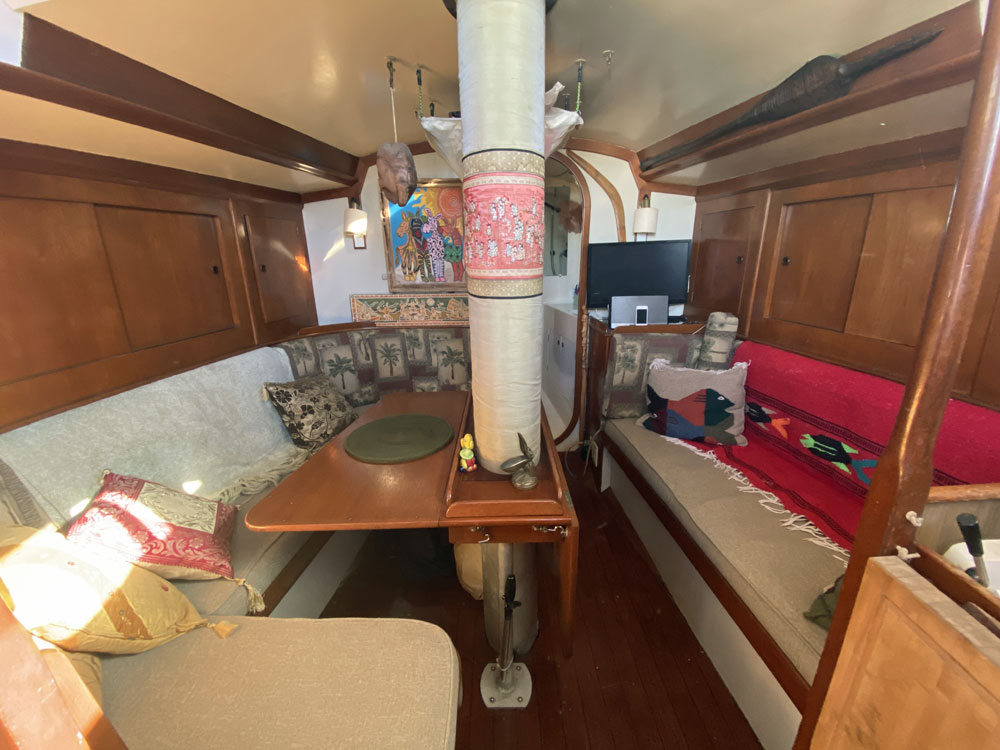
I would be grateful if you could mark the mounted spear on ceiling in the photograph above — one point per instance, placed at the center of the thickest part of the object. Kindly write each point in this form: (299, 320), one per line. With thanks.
(823, 79)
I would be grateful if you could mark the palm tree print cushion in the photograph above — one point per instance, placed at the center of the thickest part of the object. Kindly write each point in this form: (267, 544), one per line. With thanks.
(391, 362)
(312, 409)
(628, 369)
(452, 362)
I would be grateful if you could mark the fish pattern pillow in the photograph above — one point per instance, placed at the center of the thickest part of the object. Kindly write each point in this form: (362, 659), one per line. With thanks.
(706, 406)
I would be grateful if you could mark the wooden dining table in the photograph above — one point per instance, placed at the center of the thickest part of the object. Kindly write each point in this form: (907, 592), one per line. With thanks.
(333, 491)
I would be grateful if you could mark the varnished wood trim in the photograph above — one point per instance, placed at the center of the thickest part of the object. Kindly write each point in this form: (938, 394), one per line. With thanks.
(362, 324)
(960, 493)
(293, 570)
(954, 582)
(33, 157)
(627, 154)
(360, 173)
(580, 374)
(902, 480)
(608, 187)
(36, 710)
(64, 68)
(921, 150)
(950, 59)
(791, 681)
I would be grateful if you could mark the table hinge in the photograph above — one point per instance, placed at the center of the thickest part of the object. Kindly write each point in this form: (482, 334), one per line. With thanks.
(561, 530)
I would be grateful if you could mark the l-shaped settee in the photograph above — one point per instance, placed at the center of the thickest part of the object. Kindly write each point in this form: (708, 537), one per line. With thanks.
(292, 682)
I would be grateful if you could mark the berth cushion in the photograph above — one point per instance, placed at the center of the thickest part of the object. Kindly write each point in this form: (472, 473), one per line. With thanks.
(775, 570)
(172, 533)
(290, 683)
(312, 409)
(257, 557)
(85, 602)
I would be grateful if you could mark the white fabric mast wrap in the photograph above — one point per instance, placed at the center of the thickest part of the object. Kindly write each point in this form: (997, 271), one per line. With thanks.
(501, 59)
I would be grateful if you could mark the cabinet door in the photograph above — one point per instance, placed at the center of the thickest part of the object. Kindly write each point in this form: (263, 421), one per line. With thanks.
(281, 266)
(724, 256)
(279, 281)
(817, 256)
(986, 386)
(915, 671)
(58, 306)
(897, 265)
(846, 267)
(168, 272)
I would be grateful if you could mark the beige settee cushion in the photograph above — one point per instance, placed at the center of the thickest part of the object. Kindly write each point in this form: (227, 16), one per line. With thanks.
(776, 571)
(290, 683)
(257, 556)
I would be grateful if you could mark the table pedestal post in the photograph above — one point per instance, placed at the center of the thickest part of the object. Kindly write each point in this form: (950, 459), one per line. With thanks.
(499, 561)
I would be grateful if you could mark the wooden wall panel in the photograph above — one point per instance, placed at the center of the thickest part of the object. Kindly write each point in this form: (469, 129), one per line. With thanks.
(125, 300)
(279, 280)
(281, 266)
(817, 253)
(167, 269)
(721, 257)
(865, 303)
(52, 250)
(900, 254)
(986, 385)
(916, 670)
(725, 254)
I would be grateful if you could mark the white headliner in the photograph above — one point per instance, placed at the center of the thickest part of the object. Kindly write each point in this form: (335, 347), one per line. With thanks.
(319, 65)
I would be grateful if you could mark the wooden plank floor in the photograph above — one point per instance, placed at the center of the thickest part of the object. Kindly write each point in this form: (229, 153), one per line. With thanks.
(637, 678)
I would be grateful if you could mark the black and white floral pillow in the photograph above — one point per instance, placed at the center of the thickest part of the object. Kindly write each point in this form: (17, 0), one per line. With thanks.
(312, 409)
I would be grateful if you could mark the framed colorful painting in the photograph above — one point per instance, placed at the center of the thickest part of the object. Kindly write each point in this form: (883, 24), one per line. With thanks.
(423, 239)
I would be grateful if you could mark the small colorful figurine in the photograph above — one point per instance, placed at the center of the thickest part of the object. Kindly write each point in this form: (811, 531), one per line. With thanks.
(466, 456)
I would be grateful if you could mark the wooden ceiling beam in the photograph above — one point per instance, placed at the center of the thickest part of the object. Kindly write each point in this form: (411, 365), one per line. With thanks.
(917, 151)
(67, 69)
(951, 59)
(35, 157)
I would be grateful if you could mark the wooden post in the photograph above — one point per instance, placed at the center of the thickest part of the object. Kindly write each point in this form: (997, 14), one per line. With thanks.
(902, 479)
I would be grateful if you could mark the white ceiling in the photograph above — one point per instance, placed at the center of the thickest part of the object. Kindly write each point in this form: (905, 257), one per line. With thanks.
(319, 66)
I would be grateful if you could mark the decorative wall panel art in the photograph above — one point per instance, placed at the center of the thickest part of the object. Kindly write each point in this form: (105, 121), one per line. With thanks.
(423, 239)
(400, 309)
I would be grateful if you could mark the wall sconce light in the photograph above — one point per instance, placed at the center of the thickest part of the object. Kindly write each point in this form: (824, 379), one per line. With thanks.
(645, 218)
(356, 223)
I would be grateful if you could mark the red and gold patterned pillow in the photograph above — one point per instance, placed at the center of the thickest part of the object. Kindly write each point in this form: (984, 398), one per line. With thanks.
(171, 533)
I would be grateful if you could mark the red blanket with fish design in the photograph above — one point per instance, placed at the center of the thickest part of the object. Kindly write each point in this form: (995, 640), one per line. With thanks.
(815, 432)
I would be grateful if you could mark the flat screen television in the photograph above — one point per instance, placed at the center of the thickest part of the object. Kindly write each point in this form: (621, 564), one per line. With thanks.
(637, 268)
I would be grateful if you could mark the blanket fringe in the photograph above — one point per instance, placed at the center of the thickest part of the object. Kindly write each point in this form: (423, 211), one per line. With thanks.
(270, 472)
(768, 501)
(255, 600)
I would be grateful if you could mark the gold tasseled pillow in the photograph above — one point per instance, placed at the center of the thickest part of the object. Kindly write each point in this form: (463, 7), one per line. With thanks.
(84, 602)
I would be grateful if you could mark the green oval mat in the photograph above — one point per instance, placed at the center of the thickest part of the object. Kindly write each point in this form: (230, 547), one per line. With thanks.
(404, 437)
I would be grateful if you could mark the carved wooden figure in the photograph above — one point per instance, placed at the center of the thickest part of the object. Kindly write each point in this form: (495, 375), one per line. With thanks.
(819, 81)
(397, 174)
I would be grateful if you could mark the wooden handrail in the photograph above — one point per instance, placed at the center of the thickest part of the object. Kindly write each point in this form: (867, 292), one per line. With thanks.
(959, 493)
(902, 479)
(580, 370)
(35, 709)
(954, 582)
